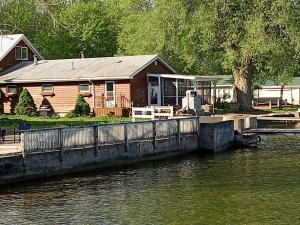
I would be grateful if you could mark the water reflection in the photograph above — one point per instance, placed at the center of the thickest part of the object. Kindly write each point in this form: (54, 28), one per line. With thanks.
(257, 186)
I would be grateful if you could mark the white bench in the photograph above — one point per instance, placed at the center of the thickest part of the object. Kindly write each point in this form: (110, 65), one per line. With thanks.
(152, 112)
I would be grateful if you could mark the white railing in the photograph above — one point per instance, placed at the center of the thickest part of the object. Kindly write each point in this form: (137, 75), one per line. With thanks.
(152, 112)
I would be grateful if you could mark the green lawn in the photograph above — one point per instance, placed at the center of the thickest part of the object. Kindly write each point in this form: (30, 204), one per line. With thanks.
(11, 122)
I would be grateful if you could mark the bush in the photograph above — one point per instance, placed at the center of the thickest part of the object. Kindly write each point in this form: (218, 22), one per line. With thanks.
(82, 108)
(26, 105)
(221, 104)
(70, 115)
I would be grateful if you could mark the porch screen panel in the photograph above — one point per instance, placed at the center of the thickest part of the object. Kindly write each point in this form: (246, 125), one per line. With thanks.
(169, 91)
(183, 86)
(204, 90)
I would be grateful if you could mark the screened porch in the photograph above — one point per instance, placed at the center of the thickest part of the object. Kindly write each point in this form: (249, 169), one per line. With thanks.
(170, 89)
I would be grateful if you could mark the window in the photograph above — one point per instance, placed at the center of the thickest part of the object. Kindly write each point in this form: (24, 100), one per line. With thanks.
(47, 88)
(11, 89)
(21, 53)
(110, 94)
(84, 88)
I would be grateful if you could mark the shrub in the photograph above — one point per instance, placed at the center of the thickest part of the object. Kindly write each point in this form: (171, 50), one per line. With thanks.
(70, 115)
(82, 108)
(26, 105)
(221, 104)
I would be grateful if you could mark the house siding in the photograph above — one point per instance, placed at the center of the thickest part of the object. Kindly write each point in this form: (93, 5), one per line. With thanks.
(65, 95)
(139, 86)
(10, 59)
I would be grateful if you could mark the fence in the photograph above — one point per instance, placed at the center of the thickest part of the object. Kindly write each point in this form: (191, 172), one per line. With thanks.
(93, 136)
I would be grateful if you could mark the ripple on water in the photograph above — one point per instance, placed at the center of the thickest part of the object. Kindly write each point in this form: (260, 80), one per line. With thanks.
(257, 186)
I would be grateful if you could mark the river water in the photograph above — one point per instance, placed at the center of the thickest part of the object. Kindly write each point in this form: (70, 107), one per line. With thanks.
(246, 186)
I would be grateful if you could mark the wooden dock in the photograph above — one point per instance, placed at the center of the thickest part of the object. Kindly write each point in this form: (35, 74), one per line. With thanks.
(278, 119)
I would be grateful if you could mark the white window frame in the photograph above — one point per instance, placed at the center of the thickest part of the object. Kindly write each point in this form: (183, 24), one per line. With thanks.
(159, 92)
(9, 86)
(110, 104)
(88, 91)
(21, 53)
(52, 90)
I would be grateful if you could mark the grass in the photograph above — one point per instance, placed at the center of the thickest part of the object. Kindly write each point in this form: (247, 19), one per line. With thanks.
(11, 122)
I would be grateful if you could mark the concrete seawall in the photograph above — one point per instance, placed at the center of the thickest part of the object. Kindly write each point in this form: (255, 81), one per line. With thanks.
(208, 137)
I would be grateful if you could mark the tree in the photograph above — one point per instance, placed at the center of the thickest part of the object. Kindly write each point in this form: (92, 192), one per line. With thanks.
(82, 108)
(253, 39)
(25, 105)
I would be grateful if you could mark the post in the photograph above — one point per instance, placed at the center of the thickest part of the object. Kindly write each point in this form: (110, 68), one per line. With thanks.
(177, 91)
(96, 142)
(126, 137)
(23, 145)
(198, 133)
(154, 134)
(60, 138)
(214, 96)
(178, 131)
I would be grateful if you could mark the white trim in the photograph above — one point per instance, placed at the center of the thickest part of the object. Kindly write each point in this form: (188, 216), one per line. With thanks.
(21, 59)
(149, 87)
(88, 91)
(113, 103)
(61, 80)
(14, 86)
(149, 63)
(27, 42)
(48, 91)
(186, 77)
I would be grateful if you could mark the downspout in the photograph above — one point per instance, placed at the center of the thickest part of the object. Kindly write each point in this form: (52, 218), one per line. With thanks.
(94, 93)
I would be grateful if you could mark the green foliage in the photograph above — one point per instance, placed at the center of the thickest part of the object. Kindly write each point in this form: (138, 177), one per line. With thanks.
(82, 108)
(220, 104)
(26, 105)
(70, 115)
(256, 40)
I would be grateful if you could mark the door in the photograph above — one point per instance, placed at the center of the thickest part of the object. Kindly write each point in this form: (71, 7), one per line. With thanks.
(110, 100)
(154, 95)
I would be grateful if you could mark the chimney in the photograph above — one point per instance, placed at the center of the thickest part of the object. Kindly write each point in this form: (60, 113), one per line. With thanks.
(35, 60)
(82, 54)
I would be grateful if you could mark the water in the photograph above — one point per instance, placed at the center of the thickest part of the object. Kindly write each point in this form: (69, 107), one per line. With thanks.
(257, 186)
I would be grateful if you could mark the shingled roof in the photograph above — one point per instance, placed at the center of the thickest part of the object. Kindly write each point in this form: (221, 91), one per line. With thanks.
(114, 68)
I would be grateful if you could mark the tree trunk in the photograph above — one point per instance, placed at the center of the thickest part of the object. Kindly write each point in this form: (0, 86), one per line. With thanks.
(281, 97)
(243, 83)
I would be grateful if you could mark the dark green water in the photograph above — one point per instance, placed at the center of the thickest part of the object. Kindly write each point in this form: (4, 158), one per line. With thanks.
(257, 186)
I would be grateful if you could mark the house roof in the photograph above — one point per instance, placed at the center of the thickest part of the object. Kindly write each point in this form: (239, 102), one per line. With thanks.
(226, 80)
(188, 77)
(8, 42)
(114, 68)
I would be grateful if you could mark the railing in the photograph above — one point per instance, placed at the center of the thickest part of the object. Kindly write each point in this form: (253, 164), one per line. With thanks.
(59, 139)
(152, 112)
(120, 101)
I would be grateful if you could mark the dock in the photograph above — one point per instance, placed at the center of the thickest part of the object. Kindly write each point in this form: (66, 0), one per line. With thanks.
(279, 119)
(271, 131)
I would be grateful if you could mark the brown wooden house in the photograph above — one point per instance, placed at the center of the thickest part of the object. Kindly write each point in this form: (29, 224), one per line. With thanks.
(13, 50)
(111, 85)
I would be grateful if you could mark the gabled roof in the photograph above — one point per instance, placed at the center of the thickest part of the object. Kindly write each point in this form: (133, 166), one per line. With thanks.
(113, 68)
(8, 42)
